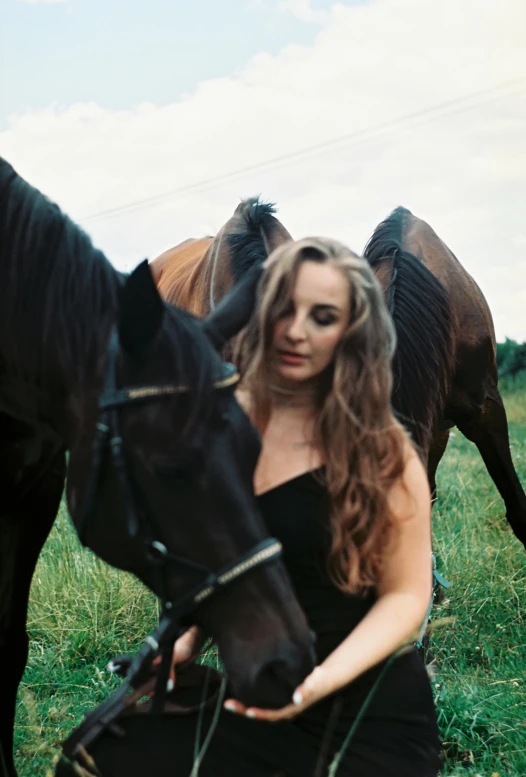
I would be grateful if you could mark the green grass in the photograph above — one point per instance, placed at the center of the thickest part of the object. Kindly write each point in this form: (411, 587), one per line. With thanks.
(481, 684)
(82, 613)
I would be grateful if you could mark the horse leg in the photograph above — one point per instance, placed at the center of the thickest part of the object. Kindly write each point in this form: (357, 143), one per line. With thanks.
(22, 535)
(437, 447)
(489, 431)
(436, 451)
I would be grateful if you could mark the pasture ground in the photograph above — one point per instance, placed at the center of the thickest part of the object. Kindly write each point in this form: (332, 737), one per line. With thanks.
(82, 613)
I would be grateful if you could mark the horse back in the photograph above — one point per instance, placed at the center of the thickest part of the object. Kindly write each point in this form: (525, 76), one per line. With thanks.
(180, 276)
(471, 315)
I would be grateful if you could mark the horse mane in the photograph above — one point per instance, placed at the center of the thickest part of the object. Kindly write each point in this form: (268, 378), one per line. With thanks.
(59, 297)
(54, 284)
(248, 243)
(420, 308)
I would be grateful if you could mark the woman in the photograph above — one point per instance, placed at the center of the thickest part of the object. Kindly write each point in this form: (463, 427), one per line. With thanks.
(341, 486)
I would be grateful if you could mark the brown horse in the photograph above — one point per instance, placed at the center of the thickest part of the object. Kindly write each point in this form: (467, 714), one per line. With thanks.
(198, 273)
(445, 363)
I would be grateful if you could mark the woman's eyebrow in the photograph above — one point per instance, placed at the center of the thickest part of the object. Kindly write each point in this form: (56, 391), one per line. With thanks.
(326, 306)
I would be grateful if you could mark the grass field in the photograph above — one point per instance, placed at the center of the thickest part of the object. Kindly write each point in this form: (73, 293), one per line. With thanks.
(82, 613)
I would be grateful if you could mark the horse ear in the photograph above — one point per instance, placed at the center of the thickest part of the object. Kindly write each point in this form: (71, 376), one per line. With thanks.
(141, 311)
(234, 310)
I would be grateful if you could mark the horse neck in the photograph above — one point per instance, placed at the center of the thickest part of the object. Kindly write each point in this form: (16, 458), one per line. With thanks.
(60, 357)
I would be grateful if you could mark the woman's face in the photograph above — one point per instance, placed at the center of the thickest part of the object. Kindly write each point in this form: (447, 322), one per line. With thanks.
(306, 335)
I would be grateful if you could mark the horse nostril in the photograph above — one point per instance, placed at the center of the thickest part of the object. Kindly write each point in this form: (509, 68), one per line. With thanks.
(279, 670)
(275, 681)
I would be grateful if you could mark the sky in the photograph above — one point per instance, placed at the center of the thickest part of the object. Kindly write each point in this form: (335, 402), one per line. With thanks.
(148, 121)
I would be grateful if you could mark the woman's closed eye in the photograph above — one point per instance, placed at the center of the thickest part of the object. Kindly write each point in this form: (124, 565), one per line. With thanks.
(324, 316)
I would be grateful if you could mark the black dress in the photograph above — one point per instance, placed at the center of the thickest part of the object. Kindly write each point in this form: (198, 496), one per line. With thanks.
(397, 736)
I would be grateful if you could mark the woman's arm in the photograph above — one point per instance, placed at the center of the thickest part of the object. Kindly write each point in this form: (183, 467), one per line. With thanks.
(404, 592)
(404, 589)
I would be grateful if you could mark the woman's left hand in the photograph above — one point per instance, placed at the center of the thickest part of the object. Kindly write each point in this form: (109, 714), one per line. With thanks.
(315, 687)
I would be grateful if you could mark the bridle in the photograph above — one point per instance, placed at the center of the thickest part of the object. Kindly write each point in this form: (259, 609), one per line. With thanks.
(139, 524)
(107, 435)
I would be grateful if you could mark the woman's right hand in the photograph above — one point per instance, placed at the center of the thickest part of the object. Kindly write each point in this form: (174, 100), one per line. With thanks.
(186, 649)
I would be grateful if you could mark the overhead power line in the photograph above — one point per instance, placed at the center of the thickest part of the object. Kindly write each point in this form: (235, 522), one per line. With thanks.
(449, 107)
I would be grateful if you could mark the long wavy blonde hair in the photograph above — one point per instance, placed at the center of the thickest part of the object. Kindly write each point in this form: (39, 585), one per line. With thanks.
(360, 441)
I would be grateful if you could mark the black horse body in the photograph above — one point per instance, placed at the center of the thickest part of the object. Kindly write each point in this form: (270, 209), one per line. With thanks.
(190, 456)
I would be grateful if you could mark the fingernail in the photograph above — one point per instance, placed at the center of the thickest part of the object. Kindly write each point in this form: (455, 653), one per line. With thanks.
(170, 685)
(230, 706)
(250, 714)
(297, 698)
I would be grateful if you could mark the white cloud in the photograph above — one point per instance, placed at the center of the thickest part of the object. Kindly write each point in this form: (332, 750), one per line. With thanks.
(302, 10)
(463, 168)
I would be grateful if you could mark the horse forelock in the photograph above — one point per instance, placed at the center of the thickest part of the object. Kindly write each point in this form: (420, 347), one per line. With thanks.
(420, 308)
(249, 234)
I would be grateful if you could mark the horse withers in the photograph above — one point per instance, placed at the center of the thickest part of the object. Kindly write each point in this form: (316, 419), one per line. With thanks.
(94, 363)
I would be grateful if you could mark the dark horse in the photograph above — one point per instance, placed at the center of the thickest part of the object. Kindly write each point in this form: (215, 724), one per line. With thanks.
(72, 327)
(445, 363)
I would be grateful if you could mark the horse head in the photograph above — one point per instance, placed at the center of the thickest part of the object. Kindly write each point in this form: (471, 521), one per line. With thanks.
(168, 456)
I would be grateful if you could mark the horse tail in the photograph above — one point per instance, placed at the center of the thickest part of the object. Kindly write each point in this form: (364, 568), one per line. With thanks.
(248, 241)
(420, 308)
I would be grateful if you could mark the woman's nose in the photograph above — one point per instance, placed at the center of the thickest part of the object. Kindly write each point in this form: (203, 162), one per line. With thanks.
(296, 330)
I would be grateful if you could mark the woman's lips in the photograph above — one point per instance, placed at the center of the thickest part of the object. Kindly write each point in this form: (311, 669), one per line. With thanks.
(291, 358)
